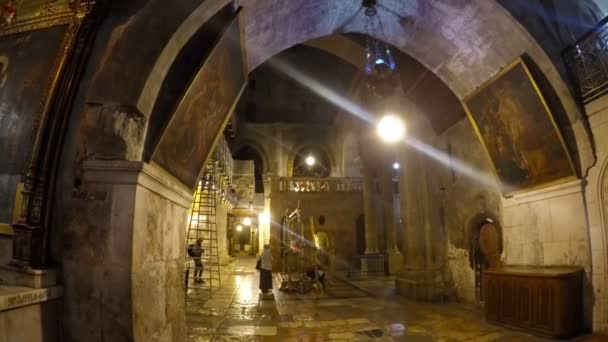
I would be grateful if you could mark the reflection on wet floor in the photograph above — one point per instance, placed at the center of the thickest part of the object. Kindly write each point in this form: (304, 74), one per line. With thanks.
(237, 312)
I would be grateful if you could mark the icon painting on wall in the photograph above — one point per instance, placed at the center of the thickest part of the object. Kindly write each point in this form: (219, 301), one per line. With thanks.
(205, 108)
(26, 69)
(517, 130)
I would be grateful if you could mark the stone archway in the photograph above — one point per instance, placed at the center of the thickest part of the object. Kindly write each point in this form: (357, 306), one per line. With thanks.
(462, 68)
(319, 148)
(472, 41)
(248, 150)
(257, 148)
(477, 259)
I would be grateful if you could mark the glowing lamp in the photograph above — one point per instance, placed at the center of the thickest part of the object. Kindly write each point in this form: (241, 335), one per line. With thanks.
(396, 166)
(239, 228)
(247, 221)
(264, 217)
(310, 160)
(391, 129)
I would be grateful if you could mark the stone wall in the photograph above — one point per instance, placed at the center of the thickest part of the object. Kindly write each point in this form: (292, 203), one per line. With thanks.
(596, 196)
(123, 262)
(40, 322)
(286, 139)
(6, 249)
(549, 227)
(466, 200)
(339, 209)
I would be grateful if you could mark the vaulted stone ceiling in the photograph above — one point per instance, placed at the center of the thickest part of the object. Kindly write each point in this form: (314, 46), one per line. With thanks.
(463, 42)
(334, 61)
(273, 96)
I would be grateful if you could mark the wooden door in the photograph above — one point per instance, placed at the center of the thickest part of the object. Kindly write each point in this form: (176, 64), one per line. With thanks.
(487, 254)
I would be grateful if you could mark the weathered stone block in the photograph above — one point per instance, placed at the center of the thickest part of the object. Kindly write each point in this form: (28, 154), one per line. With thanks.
(568, 218)
(28, 277)
(33, 323)
(111, 131)
(149, 300)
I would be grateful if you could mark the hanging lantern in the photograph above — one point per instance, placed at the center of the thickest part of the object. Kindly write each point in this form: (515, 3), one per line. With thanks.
(379, 61)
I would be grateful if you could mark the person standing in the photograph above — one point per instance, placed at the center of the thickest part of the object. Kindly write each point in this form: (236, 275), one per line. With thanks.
(195, 251)
(266, 270)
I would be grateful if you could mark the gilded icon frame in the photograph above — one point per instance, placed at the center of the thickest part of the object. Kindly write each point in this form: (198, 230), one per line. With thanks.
(546, 118)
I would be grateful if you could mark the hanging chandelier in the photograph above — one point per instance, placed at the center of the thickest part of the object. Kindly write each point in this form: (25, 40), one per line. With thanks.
(379, 61)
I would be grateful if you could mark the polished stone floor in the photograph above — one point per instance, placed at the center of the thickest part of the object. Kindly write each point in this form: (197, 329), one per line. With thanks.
(368, 312)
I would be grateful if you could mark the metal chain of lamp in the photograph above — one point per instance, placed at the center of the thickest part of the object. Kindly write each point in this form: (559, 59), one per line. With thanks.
(379, 61)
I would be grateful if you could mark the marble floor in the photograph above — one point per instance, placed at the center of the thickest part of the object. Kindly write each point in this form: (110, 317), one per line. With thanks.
(368, 311)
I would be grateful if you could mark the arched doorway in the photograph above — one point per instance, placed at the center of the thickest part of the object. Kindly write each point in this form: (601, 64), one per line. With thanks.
(248, 152)
(486, 248)
(311, 162)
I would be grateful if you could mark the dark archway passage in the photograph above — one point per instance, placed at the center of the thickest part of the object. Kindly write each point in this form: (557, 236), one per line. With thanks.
(249, 153)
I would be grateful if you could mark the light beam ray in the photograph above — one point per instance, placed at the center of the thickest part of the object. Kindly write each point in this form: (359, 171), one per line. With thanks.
(321, 90)
(484, 178)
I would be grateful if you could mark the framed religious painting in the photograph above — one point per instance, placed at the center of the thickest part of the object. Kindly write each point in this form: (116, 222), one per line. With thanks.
(28, 64)
(518, 132)
(194, 129)
(36, 43)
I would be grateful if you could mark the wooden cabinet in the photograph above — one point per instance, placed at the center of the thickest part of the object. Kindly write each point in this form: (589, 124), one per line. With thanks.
(545, 301)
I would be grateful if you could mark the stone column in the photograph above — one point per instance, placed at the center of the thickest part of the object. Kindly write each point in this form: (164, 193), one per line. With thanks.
(418, 279)
(395, 259)
(410, 178)
(371, 222)
(123, 261)
(222, 210)
(387, 206)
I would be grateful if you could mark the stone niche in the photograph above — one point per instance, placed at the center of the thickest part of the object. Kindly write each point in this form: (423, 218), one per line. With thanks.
(123, 264)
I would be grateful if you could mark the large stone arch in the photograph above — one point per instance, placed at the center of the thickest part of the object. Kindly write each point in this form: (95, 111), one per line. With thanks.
(472, 41)
(464, 42)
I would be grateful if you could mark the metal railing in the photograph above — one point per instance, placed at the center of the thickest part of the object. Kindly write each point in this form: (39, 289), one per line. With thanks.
(587, 60)
(316, 185)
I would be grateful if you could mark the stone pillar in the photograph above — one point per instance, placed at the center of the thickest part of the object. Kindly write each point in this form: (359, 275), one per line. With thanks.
(395, 259)
(221, 211)
(410, 177)
(418, 278)
(371, 222)
(387, 206)
(124, 254)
